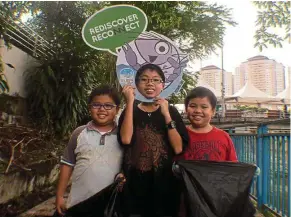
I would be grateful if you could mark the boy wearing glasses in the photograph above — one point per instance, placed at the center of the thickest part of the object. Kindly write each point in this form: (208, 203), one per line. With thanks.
(93, 155)
(151, 134)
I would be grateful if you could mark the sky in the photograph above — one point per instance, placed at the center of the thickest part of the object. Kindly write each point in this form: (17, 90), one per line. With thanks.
(239, 41)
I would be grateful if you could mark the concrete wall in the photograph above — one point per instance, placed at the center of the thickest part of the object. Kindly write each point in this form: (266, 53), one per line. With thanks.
(21, 61)
(17, 183)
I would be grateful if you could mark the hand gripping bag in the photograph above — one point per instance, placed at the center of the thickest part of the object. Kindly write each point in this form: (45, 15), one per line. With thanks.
(103, 204)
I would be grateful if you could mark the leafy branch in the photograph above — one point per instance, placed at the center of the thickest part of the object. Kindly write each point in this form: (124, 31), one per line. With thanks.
(272, 15)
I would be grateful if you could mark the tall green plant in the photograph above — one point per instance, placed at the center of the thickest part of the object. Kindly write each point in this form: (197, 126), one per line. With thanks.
(58, 88)
(57, 93)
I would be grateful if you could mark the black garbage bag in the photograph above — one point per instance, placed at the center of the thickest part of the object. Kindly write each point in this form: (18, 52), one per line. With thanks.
(217, 189)
(105, 203)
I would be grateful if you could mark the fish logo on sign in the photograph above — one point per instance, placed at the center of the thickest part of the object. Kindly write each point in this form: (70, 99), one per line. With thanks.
(151, 47)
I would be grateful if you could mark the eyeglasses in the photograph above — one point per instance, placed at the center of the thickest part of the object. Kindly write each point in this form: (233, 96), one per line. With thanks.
(148, 80)
(105, 106)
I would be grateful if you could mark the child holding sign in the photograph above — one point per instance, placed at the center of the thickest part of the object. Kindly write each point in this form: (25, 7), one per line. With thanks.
(151, 134)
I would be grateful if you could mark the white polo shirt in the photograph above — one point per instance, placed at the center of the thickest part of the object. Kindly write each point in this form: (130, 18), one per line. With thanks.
(96, 158)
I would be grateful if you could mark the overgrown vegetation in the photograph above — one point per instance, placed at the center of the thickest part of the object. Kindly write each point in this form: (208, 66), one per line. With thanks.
(22, 147)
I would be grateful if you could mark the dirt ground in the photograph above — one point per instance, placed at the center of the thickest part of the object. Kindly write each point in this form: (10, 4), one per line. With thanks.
(25, 202)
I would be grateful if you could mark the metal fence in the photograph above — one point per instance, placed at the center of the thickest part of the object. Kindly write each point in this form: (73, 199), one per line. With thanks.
(271, 152)
(25, 38)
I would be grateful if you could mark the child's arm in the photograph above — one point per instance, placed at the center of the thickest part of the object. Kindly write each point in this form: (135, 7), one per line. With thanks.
(65, 174)
(175, 138)
(68, 162)
(126, 126)
(180, 127)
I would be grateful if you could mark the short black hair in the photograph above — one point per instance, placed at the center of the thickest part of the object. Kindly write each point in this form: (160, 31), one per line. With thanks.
(151, 67)
(201, 92)
(105, 90)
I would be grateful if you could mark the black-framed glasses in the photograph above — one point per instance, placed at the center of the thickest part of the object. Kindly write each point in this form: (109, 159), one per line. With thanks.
(106, 106)
(148, 80)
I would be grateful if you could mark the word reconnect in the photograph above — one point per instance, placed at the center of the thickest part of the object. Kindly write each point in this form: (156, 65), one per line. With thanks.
(114, 27)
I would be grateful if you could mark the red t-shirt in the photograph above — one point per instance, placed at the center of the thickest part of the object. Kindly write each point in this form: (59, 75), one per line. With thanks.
(215, 145)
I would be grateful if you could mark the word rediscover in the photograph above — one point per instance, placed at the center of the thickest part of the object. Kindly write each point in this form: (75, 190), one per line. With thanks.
(114, 27)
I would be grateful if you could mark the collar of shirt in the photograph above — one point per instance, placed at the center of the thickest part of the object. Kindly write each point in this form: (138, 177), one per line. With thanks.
(90, 126)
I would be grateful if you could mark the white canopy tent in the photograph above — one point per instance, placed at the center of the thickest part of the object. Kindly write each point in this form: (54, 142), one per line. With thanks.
(284, 96)
(204, 84)
(249, 94)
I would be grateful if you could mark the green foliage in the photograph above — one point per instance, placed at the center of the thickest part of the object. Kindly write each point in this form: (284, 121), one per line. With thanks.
(272, 14)
(12, 10)
(58, 88)
(15, 9)
(250, 108)
(197, 26)
(8, 10)
(190, 82)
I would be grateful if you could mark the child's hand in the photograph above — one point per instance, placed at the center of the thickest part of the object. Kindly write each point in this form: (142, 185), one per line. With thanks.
(128, 92)
(164, 104)
(60, 205)
(121, 181)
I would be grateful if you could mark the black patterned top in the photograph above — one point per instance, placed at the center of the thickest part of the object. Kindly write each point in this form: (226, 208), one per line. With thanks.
(151, 188)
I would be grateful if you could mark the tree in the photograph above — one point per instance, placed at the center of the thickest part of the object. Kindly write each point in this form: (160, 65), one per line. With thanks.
(12, 10)
(190, 81)
(58, 88)
(197, 26)
(272, 14)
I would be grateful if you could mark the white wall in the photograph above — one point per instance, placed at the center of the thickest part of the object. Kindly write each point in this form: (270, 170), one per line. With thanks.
(21, 61)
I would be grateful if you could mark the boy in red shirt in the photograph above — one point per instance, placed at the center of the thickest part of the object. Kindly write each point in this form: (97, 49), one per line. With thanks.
(206, 142)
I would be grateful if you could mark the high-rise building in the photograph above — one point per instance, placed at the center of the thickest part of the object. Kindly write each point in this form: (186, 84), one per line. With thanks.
(264, 73)
(212, 76)
(228, 83)
(239, 78)
(288, 76)
(280, 84)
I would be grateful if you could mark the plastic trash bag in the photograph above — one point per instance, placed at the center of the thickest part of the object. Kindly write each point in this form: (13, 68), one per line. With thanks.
(113, 208)
(103, 204)
(216, 189)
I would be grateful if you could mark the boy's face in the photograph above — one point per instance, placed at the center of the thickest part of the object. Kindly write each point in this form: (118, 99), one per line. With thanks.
(103, 110)
(200, 111)
(150, 84)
